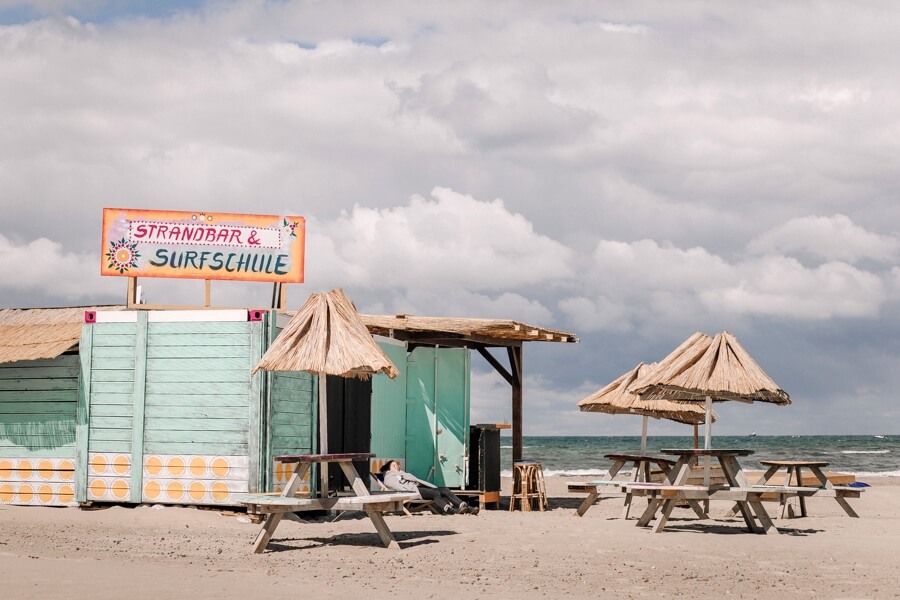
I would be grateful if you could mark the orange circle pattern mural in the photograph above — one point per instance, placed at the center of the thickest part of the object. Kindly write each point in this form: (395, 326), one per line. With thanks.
(37, 481)
(193, 479)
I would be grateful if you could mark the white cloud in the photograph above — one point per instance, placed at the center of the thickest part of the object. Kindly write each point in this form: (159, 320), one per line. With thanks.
(450, 242)
(43, 266)
(782, 287)
(835, 238)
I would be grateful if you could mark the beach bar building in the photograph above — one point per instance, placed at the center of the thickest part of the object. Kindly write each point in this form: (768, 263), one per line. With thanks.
(104, 404)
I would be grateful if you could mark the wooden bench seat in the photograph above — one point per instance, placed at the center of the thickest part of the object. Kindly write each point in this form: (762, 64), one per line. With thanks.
(264, 503)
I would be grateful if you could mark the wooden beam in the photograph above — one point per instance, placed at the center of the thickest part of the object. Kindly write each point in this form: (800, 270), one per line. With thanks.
(495, 363)
(515, 360)
(131, 298)
(207, 289)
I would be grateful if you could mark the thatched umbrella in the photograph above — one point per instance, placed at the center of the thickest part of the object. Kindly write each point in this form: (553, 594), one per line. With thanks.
(705, 369)
(618, 398)
(327, 337)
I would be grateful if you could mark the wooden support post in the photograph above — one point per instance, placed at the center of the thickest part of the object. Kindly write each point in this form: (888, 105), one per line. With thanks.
(206, 287)
(515, 360)
(131, 298)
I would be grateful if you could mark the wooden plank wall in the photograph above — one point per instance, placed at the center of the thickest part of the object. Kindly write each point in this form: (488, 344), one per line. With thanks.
(175, 399)
(293, 413)
(38, 402)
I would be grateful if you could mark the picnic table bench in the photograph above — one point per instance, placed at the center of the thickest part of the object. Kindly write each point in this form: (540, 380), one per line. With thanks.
(641, 470)
(275, 506)
(796, 487)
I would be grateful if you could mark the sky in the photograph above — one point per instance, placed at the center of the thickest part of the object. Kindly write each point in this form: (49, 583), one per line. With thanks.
(628, 172)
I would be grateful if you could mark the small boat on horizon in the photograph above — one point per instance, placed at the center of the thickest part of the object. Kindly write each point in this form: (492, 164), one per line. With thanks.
(753, 434)
(879, 437)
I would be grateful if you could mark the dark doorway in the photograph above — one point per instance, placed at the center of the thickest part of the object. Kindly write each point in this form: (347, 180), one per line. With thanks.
(349, 424)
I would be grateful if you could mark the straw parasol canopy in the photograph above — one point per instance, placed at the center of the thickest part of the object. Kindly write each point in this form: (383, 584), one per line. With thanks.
(327, 337)
(617, 398)
(704, 369)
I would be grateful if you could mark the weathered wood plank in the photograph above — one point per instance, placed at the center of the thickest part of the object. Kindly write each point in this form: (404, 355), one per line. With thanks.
(161, 424)
(45, 396)
(112, 329)
(38, 408)
(289, 431)
(109, 435)
(215, 339)
(152, 411)
(199, 400)
(111, 410)
(113, 363)
(201, 388)
(38, 385)
(39, 447)
(194, 365)
(290, 412)
(83, 411)
(55, 372)
(110, 398)
(212, 375)
(200, 352)
(200, 448)
(112, 375)
(113, 387)
(98, 422)
(68, 359)
(108, 446)
(114, 341)
(175, 437)
(195, 327)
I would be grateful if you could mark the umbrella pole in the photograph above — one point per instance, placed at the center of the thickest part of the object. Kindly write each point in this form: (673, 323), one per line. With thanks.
(323, 434)
(644, 436)
(707, 431)
(696, 436)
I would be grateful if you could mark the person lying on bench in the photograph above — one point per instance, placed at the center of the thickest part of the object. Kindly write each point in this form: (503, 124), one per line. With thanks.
(401, 481)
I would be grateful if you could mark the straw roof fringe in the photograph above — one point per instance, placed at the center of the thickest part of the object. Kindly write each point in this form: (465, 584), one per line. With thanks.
(41, 333)
(617, 398)
(718, 367)
(327, 336)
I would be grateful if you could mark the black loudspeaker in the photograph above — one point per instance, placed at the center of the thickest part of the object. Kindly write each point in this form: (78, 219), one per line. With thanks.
(484, 458)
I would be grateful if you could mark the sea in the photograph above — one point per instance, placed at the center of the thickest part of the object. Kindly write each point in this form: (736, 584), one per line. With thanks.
(866, 456)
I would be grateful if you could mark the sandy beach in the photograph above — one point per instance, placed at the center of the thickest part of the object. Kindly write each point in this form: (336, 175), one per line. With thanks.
(177, 552)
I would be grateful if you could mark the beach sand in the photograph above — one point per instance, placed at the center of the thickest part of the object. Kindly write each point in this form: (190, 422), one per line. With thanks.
(177, 552)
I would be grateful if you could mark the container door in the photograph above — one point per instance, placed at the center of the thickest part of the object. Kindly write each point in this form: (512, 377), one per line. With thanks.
(452, 416)
(437, 429)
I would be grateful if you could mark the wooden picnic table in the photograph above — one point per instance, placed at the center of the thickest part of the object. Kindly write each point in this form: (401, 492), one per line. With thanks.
(664, 496)
(275, 506)
(641, 470)
(793, 470)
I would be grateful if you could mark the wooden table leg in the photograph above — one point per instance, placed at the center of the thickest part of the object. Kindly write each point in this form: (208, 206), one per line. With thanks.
(828, 485)
(649, 512)
(273, 519)
(661, 519)
(387, 538)
(588, 502)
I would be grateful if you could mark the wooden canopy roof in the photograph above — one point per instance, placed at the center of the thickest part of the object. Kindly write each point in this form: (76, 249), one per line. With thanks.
(448, 331)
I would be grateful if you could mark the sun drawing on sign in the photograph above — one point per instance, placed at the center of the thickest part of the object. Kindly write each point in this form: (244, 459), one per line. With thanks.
(122, 256)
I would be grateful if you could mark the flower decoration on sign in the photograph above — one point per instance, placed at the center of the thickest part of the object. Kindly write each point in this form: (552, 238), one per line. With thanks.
(122, 255)
(291, 227)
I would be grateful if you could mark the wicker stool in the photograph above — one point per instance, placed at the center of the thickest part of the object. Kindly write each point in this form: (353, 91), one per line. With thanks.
(528, 485)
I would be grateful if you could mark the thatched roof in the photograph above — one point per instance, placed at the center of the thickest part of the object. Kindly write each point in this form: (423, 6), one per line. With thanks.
(718, 367)
(474, 329)
(327, 336)
(35, 333)
(617, 398)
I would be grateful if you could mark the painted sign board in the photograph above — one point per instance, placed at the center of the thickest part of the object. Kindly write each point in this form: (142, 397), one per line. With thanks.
(199, 245)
